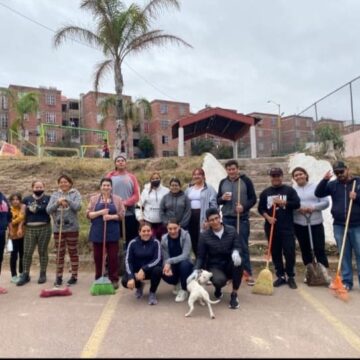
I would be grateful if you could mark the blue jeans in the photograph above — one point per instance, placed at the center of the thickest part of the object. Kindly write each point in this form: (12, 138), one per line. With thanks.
(181, 271)
(352, 243)
(245, 232)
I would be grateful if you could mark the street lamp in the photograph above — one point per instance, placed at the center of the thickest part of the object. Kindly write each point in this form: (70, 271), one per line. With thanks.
(278, 122)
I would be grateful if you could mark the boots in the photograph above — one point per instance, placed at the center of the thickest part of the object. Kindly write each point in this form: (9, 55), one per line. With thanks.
(42, 277)
(24, 278)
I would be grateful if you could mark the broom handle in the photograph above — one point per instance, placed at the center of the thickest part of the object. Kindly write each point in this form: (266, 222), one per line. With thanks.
(308, 224)
(238, 214)
(271, 236)
(346, 229)
(60, 236)
(104, 241)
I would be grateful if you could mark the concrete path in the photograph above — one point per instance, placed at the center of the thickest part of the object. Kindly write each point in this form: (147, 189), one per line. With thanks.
(307, 322)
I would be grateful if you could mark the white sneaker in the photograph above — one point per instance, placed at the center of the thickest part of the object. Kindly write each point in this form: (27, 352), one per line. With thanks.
(181, 296)
(176, 289)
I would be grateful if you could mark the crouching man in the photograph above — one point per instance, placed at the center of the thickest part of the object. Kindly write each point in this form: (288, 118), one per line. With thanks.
(219, 252)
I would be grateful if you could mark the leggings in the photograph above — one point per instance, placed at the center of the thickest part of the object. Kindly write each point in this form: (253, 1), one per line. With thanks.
(40, 236)
(18, 249)
(69, 240)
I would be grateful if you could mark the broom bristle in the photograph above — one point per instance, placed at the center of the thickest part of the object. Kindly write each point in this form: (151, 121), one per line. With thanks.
(55, 292)
(264, 283)
(338, 288)
(102, 286)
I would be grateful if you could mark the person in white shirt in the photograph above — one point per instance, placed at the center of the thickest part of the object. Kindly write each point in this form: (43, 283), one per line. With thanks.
(150, 200)
(311, 206)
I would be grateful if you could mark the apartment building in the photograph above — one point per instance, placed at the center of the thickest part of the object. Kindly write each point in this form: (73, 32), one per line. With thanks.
(164, 115)
(4, 115)
(49, 111)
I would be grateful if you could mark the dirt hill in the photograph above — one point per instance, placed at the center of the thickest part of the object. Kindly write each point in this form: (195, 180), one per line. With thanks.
(17, 174)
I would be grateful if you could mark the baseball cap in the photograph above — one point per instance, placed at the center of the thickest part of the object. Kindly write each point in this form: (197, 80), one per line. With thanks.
(121, 155)
(339, 165)
(276, 171)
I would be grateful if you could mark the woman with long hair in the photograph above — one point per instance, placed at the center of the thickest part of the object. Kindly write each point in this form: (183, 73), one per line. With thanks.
(202, 196)
(64, 205)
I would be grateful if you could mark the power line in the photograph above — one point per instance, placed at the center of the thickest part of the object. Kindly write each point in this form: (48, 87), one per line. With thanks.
(84, 44)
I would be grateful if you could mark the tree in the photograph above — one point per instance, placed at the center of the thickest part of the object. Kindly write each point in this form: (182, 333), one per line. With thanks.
(200, 146)
(326, 133)
(135, 113)
(24, 104)
(146, 147)
(120, 31)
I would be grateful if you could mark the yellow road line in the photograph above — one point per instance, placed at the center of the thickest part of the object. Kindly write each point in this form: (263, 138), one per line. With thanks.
(349, 335)
(92, 346)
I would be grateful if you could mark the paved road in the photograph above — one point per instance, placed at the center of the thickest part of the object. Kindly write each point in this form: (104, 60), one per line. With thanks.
(307, 322)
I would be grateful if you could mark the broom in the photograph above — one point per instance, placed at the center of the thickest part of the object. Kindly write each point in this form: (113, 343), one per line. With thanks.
(316, 273)
(103, 285)
(264, 282)
(337, 286)
(57, 291)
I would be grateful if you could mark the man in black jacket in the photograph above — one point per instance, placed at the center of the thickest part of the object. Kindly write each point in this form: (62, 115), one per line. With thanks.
(228, 197)
(219, 251)
(341, 192)
(286, 200)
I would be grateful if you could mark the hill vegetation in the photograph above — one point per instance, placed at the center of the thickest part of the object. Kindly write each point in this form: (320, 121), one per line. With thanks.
(17, 174)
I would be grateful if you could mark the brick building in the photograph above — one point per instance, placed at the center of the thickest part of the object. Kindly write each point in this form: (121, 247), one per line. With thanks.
(49, 112)
(164, 114)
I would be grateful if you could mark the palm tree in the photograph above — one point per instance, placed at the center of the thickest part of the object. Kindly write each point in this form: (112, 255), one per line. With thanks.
(120, 31)
(24, 104)
(134, 114)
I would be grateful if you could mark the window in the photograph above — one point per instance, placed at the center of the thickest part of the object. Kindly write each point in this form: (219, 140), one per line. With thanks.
(182, 110)
(50, 136)
(273, 122)
(163, 108)
(50, 99)
(3, 121)
(74, 106)
(50, 118)
(308, 123)
(99, 118)
(297, 122)
(297, 134)
(261, 146)
(4, 103)
(164, 124)
(165, 139)
(273, 146)
(100, 137)
(260, 133)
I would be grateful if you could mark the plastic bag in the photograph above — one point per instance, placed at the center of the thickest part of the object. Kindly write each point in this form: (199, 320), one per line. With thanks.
(9, 246)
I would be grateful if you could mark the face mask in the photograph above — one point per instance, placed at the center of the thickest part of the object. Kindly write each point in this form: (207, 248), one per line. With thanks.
(38, 192)
(155, 183)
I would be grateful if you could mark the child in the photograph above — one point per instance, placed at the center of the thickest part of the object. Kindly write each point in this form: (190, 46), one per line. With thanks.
(16, 234)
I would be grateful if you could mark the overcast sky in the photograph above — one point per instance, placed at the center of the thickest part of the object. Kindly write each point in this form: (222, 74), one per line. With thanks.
(245, 52)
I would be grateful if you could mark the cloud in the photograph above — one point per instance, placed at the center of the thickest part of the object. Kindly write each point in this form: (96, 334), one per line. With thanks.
(244, 53)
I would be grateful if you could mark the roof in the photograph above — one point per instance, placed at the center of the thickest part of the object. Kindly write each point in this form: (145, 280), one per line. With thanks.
(220, 122)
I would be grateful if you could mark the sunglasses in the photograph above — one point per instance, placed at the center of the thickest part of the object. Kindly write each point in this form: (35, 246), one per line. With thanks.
(339, 172)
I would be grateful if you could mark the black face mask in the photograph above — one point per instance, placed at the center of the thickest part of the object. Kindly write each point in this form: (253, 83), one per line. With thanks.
(38, 192)
(155, 183)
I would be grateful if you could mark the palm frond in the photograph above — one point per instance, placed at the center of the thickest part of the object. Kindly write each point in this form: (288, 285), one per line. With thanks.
(100, 71)
(151, 38)
(71, 32)
(154, 7)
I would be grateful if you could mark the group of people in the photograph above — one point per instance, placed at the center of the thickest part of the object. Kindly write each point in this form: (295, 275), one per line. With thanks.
(175, 233)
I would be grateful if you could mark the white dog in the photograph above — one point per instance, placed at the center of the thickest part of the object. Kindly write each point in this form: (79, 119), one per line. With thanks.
(198, 293)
